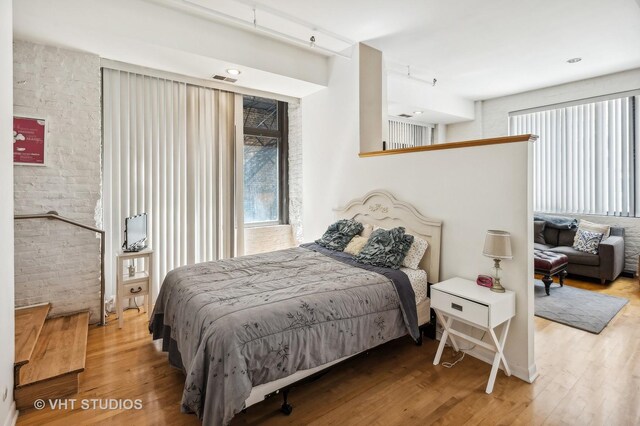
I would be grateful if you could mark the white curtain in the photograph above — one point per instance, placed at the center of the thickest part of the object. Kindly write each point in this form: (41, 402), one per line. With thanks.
(167, 147)
(404, 134)
(584, 160)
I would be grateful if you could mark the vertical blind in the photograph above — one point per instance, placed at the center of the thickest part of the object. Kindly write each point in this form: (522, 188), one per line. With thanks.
(403, 134)
(167, 148)
(584, 160)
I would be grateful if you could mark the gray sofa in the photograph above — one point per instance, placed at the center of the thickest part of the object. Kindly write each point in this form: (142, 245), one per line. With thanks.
(607, 265)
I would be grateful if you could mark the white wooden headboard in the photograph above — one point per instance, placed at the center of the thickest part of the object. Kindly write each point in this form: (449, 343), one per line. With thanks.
(380, 208)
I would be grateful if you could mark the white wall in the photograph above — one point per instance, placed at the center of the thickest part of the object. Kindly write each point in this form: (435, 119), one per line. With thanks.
(492, 121)
(56, 262)
(446, 184)
(7, 408)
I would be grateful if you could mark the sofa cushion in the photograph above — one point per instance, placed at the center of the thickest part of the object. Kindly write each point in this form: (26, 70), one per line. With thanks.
(538, 246)
(577, 257)
(551, 236)
(566, 237)
(538, 231)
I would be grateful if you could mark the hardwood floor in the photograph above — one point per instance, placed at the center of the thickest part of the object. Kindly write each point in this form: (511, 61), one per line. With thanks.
(584, 379)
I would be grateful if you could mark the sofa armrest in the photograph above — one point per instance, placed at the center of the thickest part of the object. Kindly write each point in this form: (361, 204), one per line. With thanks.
(611, 252)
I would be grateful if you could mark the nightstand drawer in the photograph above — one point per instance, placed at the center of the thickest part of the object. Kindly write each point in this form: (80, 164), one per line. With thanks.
(140, 288)
(473, 312)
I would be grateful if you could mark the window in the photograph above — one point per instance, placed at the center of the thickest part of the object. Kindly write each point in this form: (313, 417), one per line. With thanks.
(265, 161)
(585, 159)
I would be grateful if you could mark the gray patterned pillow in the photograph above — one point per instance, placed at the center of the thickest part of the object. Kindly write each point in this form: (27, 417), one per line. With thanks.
(386, 248)
(587, 241)
(338, 234)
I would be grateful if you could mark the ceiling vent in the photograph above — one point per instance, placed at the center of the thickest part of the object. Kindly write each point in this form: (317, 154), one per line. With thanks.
(405, 115)
(224, 78)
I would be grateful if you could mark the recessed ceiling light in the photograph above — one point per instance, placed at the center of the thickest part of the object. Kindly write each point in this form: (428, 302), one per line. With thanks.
(574, 60)
(233, 71)
(417, 112)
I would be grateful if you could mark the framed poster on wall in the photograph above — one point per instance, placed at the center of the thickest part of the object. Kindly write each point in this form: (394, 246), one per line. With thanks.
(29, 141)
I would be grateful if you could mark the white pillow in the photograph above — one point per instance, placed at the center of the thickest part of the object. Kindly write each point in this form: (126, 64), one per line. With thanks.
(368, 229)
(416, 252)
(594, 227)
(356, 245)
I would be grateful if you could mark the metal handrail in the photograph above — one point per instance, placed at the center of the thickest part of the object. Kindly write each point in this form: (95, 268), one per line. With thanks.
(56, 216)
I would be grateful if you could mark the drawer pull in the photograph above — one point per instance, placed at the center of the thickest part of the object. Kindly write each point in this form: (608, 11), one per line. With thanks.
(456, 307)
(135, 291)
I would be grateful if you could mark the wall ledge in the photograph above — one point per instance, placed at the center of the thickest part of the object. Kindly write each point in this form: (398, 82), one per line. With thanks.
(453, 145)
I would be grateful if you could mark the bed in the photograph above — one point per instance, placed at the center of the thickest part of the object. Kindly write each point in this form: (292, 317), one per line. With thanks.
(244, 328)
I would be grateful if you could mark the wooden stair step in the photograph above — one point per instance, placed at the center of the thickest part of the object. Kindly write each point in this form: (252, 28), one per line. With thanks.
(61, 349)
(56, 362)
(28, 325)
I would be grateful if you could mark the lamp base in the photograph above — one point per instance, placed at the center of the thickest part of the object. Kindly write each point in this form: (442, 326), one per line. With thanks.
(497, 287)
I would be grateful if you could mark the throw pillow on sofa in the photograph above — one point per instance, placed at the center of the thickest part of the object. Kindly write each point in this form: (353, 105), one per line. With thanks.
(595, 227)
(587, 241)
(538, 231)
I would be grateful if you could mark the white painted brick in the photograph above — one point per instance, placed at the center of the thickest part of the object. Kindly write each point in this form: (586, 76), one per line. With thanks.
(54, 261)
(267, 238)
(295, 171)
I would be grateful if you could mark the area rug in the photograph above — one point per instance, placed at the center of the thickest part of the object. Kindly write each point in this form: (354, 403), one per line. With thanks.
(582, 309)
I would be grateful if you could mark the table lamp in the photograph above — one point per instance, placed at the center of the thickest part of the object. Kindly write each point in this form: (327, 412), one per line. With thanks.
(497, 245)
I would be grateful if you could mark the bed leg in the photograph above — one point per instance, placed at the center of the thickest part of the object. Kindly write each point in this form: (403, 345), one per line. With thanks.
(286, 407)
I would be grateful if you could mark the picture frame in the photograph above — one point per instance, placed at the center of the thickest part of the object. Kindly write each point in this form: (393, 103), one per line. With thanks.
(29, 140)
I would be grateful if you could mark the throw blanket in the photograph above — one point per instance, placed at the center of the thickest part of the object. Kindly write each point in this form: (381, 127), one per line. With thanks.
(237, 323)
(557, 222)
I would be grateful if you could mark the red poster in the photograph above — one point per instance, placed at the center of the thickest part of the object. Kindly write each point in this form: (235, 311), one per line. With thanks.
(28, 140)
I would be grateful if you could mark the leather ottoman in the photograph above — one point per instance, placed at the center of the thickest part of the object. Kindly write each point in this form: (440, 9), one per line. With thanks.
(548, 264)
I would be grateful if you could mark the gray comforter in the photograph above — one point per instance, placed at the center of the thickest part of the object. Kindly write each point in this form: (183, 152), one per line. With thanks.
(238, 323)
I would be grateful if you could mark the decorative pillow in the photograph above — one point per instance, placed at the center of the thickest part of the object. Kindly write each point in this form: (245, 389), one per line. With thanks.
(338, 234)
(415, 253)
(386, 248)
(356, 245)
(595, 227)
(366, 232)
(538, 231)
(587, 241)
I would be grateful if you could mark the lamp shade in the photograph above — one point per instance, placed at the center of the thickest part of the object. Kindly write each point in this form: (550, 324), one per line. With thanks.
(497, 245)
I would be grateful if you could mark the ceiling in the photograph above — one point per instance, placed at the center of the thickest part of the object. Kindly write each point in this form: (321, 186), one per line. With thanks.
(490, 48)
(476, 49)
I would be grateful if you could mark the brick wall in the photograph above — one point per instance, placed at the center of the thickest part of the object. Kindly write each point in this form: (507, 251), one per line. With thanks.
(56, 262)
(295, 171)
(267, 238)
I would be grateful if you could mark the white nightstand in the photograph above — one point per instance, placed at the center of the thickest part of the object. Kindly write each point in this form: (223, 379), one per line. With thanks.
(464, 301)
(133, 286)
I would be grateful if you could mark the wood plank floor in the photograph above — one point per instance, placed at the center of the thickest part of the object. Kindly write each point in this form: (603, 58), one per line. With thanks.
(585, 379)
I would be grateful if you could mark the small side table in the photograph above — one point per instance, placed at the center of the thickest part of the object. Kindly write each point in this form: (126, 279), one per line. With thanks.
(133, 286)
(464, 301)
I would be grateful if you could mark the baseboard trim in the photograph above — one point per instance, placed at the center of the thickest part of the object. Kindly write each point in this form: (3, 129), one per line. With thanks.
(528, 374)
(12, 415)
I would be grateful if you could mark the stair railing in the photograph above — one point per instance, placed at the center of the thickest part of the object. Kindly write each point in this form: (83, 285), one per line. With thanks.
(56, 216)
